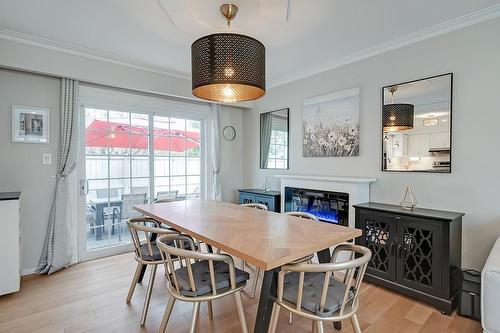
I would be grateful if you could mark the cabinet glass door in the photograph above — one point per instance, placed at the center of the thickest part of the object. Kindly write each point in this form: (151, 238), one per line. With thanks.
(379, 235)
(419, 255)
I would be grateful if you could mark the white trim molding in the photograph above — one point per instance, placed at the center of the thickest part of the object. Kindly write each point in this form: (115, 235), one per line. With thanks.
(415, 37)
(330, 178)
(86, 53)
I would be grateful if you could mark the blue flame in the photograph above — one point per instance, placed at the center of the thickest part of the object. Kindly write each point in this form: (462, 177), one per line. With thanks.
(327, 216)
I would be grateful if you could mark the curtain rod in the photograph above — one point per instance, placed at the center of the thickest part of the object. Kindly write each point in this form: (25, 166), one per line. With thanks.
(102, 85)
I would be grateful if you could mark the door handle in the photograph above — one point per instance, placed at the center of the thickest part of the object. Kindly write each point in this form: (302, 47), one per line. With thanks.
(391, 249)
(84, 187)
(400, 248)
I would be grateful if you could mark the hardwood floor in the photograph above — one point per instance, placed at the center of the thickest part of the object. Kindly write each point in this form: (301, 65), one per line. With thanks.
(90, 297)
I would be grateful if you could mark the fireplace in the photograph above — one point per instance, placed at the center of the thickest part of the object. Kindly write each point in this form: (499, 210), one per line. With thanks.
(327, 206)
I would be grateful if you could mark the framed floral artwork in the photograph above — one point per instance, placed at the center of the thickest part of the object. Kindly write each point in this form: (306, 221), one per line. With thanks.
(331, 124)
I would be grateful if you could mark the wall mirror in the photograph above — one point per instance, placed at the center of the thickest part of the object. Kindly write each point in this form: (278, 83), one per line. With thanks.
(274, 139)
(416, 125)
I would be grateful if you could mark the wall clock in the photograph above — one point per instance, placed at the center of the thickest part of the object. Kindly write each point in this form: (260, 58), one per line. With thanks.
(229, 133)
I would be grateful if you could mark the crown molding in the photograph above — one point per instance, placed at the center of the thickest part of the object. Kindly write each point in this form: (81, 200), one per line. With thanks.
(436, 30)
(85, 52)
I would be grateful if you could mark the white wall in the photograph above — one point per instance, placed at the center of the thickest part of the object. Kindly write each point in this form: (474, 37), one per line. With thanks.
(21, 166)
(473, 55)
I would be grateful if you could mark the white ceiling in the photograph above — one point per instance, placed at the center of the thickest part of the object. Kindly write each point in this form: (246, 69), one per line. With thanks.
(301, 36)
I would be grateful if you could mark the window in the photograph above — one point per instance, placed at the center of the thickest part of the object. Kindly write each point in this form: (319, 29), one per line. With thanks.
(177, 159)
(278, 150)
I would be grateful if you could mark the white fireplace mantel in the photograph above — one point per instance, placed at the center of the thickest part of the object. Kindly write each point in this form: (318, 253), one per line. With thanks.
(330, 178)
(358, 188)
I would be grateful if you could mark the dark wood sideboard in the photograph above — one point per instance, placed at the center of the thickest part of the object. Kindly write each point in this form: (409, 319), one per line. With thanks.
(417, 252)
(272, 199)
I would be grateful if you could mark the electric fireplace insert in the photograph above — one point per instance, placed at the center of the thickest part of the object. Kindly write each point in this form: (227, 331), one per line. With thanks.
(331, 207)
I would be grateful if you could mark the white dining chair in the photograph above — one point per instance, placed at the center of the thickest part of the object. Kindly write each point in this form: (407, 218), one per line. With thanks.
(204, 278)
(257, 269)
(143, 231)
(307, 216)
(312, 291)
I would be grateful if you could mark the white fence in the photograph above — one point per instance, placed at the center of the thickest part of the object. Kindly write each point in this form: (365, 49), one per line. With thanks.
(126, 173)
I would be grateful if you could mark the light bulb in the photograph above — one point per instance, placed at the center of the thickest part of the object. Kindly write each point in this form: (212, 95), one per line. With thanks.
(228, 91)
(392, 118)
(228, 72)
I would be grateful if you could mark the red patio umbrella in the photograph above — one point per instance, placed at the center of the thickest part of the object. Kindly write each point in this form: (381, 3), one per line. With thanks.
(97, 135)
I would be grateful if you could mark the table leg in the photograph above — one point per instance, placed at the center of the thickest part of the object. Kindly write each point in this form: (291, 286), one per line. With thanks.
(324, 256)
(266, 300)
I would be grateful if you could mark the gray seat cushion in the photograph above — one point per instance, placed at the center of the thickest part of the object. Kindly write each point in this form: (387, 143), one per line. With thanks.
(163, 226)
(313, 286)
(156, 251)
(201, 273)
(146, 254)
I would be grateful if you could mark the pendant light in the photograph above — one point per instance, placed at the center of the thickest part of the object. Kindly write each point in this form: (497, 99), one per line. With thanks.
(228, 67)
(397, 116)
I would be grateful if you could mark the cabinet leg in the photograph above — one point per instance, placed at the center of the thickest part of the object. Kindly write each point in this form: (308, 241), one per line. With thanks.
(447, 310)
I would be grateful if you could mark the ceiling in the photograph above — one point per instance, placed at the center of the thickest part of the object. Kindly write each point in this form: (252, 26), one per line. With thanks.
(301, 37)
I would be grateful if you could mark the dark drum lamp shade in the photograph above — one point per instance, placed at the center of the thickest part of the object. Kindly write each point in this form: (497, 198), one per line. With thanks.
(228, 67)
(397, 117)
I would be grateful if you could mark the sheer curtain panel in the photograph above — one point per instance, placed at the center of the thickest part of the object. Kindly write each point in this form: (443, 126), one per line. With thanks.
(57, 250)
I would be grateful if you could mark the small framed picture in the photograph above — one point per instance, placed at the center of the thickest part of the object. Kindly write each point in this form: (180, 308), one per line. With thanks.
(30, 124)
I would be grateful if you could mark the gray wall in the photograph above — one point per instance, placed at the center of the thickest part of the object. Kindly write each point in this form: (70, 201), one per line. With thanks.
(472, 55)
(231, 154)
(21, 166)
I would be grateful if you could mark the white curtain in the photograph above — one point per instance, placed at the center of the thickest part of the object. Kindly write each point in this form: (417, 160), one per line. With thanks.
(216, 193)
(57, 250)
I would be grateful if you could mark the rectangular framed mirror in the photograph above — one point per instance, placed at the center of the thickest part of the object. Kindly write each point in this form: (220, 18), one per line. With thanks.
(274, 139)
(416, 125)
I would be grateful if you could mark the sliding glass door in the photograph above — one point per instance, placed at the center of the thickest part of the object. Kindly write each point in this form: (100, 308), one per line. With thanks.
(177, 159)
(133, 158)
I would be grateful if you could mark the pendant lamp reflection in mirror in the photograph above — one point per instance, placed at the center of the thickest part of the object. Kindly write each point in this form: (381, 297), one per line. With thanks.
(228, 67)
(397, 116)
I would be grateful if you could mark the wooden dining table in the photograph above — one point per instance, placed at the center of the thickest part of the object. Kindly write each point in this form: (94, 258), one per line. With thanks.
(265, 239)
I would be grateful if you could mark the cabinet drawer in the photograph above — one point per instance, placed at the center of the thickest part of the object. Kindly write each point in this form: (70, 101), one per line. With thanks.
(247, 198)
(265, 200)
